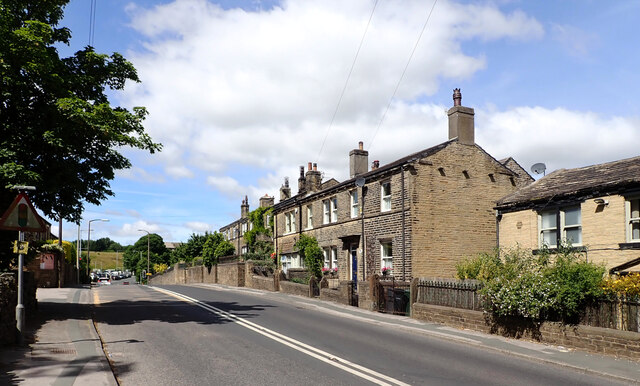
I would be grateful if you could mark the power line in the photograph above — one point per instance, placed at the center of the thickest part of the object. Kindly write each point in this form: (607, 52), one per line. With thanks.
(347, 80)
(424, 27)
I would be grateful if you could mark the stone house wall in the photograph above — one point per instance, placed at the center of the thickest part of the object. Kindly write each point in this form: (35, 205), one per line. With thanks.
(603, 230)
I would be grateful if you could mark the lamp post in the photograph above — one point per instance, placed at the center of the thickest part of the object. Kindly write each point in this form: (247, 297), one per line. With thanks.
(148, 234)
(89, 241)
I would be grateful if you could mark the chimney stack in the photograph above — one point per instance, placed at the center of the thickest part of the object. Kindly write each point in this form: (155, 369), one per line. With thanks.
(358, 161)
(302, 182)
(285, 190)
(244, 208)
(313, 178)
(266, 201)
(461, 123)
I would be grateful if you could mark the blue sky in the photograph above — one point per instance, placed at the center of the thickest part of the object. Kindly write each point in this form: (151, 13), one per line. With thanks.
(241, 93)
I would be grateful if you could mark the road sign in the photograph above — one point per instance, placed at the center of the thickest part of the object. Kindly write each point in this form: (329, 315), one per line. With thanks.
(22, 216)
(21, 247)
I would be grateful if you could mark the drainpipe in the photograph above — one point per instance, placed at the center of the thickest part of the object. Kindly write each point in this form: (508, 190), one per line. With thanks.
(498, 218)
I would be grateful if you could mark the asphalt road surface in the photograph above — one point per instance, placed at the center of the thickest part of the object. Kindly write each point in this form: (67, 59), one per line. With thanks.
(207, 335)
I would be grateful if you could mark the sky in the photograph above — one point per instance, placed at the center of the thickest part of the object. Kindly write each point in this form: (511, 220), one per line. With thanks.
(242, 93)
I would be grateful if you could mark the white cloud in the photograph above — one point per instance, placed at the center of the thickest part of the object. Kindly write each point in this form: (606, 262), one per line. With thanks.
(576, 41)
(258, 89)
(139, 174)
(199, 227)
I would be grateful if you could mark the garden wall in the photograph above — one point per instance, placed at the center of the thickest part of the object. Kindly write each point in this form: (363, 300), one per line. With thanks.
(9, 300)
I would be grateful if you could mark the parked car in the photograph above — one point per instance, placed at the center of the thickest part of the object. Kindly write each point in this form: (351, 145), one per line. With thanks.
(104, 280)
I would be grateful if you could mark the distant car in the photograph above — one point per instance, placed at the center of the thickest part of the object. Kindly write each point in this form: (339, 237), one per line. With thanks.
(104, 280)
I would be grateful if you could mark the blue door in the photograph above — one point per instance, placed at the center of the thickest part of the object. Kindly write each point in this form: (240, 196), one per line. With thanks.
(354, 263)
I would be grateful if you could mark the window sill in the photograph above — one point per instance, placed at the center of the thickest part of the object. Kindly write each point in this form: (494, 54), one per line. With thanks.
(578, 248)
(631, 245)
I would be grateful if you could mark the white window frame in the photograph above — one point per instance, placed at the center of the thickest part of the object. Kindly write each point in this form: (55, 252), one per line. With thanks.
(385, 199)
(326, 211)
(334, 257)
(334, 209)
(243, 250)
(290, 222)
(309, 217)
(355, 204)
(244, 228)
(386, 256)
(630, 220)
(326, 254)
(561, 233)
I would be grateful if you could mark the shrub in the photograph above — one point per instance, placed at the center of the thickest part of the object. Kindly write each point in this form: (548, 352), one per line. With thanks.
(311, 253)
(482, 267)
(628, 285)
(542, 286)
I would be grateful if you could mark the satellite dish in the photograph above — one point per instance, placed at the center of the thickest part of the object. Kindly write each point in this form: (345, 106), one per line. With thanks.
(360, 182)
(539, 168)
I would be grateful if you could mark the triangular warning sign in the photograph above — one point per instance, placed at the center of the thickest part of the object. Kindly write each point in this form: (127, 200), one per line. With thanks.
(22, 216)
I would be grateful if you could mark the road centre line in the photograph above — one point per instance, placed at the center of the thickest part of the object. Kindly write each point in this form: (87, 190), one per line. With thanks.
(333, 360)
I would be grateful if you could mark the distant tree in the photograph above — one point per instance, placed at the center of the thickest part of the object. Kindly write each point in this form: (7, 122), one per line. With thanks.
(215, 247)
(135, 256)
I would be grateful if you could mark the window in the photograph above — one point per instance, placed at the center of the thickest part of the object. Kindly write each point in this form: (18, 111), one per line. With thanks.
(386, 257)
(334, 209)
(290, 260)
(334, 257)
(290, 222)
(633, 219)
(385, 196)
(355, 207)
(569, 221)
(244, 250)
(244, 228)
(309, 217)
(326, 254)
(326, 212)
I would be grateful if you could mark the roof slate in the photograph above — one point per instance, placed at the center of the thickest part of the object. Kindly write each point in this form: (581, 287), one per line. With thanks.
(584, 182)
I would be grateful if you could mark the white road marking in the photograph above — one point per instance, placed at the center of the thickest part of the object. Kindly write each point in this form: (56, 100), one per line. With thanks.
(333, 360)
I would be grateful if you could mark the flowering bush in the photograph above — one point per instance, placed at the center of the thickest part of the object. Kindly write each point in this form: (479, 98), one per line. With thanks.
(628, 285)
(541, 286)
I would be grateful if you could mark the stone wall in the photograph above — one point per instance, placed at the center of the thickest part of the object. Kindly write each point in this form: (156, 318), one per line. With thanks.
(194, 274)
(332, 295)
(262, 283)
(9, 300)
(593, 339)
(231, 274)
(288, 287)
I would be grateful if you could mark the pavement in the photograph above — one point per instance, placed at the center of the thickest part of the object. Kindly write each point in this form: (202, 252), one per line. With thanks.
(61, 345)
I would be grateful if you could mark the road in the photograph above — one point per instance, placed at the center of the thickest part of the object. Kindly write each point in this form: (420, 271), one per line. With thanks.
(215, 335)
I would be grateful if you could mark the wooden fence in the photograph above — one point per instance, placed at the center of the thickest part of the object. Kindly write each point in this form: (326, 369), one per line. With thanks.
(450, 293)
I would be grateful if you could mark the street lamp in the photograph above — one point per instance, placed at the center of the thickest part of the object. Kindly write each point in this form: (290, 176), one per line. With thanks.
(148, 234)
(89, 241)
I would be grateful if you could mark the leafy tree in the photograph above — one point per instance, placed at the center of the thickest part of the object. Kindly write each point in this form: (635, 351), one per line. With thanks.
(214, 248)
(311, 253)
(258, 242)
(135, 256)
(59, 130)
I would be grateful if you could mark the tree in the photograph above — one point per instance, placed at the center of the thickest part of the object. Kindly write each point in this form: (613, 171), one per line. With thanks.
(258, 238)
(311, 254)
(59, 131)
(214, 248)
(135, 256)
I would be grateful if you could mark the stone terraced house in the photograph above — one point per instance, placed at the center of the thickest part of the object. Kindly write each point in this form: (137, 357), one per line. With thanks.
(415, 217)
(234, 232)
(596, 208)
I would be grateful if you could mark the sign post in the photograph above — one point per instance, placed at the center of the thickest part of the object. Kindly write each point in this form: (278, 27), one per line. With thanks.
(21, 216)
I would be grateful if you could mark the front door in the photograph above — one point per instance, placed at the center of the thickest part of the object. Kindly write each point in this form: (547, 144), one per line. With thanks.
(353, 253)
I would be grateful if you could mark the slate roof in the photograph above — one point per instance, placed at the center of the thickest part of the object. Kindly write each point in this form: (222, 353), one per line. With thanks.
(576, 184)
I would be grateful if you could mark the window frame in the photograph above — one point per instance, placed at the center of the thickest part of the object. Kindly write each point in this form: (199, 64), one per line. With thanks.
(290, 222)
(385, 199)
(354, 203)
(560, 226)
(629, 221)
(386, 260)
(334, 209)
(326, 212)
(309, 217)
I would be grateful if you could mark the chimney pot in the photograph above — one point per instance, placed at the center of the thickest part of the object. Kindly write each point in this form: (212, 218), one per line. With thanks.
(457, 97)
(375, 165)
(315, 167)
(309, 166)
(360, 145)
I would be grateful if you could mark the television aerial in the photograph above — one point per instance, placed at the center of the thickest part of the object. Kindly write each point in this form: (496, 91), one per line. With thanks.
(539, 168)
